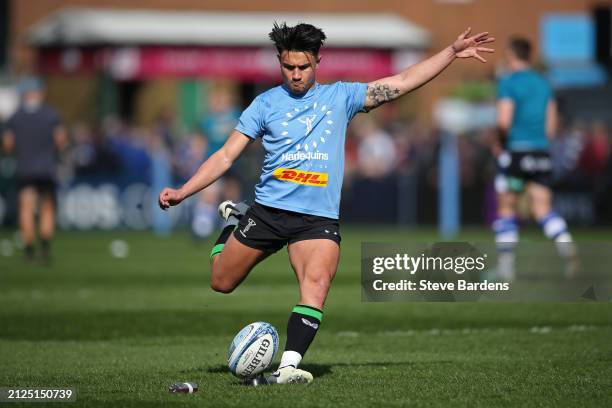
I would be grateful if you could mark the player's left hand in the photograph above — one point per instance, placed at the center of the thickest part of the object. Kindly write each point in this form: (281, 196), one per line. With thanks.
(169, 197)
(469, 47)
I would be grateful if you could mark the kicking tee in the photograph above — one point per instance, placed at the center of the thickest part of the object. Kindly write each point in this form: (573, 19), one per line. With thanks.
(303, 138)
(530, 94)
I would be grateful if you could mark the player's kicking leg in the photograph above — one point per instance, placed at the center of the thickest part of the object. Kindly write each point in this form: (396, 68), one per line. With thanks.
(553, 226)
(230, 260)
(315, 262)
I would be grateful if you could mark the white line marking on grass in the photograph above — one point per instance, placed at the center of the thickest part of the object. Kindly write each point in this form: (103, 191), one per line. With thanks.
(540, 330)
(397, 333)
(580, 328)
(472, 330)
(347, 334)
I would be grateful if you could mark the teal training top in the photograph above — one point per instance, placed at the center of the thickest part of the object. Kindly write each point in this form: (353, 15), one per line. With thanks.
(530, 93)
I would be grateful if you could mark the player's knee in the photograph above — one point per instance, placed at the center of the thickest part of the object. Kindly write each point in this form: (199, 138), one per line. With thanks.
(320, 282)
(218, 281)
(221, 285)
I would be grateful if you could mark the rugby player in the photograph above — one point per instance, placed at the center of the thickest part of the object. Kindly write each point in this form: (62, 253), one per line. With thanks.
(302, 124)
(35, 135)
(527, 119)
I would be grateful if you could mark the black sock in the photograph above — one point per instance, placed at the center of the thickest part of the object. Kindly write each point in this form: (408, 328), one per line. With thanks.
(302, 327)
(45, 245)
(225, 234)
(29, 251)
(223, 237)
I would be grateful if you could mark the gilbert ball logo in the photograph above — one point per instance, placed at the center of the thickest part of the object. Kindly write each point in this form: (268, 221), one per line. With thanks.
(263, 348)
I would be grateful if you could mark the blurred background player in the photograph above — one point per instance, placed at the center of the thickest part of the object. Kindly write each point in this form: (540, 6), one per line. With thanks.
(527, 119)
(34, 135)
(216, 125)
(303, 126)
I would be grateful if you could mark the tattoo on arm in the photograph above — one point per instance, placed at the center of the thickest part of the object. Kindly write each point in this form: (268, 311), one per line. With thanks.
(381, 93)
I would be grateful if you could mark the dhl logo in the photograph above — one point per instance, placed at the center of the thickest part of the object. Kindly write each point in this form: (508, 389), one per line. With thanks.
(309, 178)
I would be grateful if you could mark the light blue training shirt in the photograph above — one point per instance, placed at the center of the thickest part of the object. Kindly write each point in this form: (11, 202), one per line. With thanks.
(303, 138)
(530, 93)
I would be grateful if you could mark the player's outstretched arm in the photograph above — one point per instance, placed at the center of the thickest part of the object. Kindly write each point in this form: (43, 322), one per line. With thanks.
(387, 89)
(209, 172)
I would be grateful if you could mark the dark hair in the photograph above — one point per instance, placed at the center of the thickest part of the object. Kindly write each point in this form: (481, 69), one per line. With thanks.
(521, 47)
(302, 37)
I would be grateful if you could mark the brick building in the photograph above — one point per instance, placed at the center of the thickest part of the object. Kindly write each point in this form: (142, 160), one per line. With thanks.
(443, 19)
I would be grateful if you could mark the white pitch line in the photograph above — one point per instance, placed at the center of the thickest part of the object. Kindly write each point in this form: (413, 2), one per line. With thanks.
(473, 330)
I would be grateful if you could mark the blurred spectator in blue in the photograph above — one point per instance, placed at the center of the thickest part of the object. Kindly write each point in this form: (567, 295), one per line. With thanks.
(165, 126)
(130, 145)
(190, 154)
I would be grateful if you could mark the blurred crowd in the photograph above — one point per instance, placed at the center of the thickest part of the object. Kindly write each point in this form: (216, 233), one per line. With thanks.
(386, 156)
(396, 150)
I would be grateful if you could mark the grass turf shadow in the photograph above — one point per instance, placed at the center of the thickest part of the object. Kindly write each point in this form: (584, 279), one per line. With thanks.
(318, 370)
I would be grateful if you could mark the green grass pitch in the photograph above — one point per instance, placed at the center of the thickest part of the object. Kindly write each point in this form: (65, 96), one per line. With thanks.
(122, 330)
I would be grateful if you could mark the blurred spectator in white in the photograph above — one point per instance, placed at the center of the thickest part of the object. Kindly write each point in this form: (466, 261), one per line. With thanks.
(376, 153)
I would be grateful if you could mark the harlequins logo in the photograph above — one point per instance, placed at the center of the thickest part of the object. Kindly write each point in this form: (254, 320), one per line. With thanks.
(307, 120)
(246, 229)
(307, 115)
(309, 178)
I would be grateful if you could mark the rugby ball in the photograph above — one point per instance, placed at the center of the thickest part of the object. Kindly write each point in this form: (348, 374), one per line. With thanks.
(253, 349)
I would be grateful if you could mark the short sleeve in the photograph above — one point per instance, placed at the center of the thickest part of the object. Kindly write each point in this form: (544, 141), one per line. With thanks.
(251, 121)
(504, 90)
(550, 94)
(355, 97)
